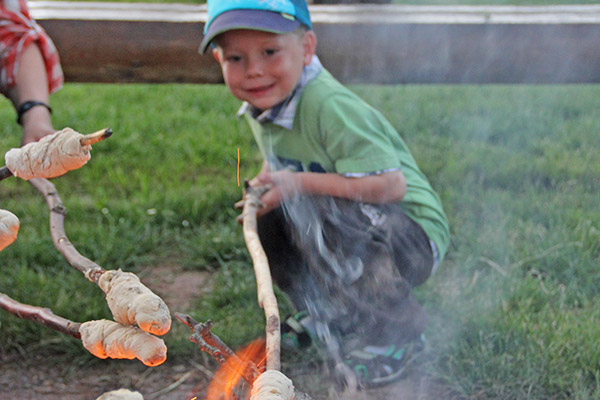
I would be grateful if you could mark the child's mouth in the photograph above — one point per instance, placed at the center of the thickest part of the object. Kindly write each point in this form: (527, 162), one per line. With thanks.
(260, 90)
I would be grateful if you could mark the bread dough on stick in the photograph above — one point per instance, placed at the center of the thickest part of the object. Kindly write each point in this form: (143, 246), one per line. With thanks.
(121, 394)
(52, 156)
(133, 303)
(272, 385)
(108, 339)
(9, 227)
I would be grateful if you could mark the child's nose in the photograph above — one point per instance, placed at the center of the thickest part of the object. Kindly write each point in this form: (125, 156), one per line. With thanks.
(254, 68)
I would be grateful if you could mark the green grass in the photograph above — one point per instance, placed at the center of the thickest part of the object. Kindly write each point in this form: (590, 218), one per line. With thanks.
(514, 307)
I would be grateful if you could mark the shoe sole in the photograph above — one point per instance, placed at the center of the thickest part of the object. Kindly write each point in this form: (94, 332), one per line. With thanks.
(412, 358)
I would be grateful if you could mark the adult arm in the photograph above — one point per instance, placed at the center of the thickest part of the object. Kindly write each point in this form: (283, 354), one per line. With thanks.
(31, 84)
(31, 69)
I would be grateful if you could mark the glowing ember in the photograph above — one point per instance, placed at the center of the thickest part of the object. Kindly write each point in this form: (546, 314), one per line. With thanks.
(228, 383)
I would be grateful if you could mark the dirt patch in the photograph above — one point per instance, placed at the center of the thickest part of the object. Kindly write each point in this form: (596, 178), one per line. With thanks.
(179, 288)
(56, 379)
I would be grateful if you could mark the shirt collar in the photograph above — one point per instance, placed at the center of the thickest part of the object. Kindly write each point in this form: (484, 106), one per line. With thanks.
(282, 114)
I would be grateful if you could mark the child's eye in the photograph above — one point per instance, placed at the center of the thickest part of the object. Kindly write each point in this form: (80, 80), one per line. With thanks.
(233, 58)
(270, 52)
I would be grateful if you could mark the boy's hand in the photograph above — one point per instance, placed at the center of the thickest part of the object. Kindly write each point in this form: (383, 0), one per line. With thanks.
(269, 200)
(281, 183)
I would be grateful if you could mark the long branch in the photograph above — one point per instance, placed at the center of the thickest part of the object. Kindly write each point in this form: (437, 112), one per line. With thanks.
(264, 283)
(57, 216)
(39, 314)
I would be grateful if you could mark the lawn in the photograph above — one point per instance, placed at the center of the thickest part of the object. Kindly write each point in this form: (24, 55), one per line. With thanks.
(514, 307)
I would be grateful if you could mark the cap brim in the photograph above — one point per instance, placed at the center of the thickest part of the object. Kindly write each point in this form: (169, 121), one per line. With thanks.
(267, 21)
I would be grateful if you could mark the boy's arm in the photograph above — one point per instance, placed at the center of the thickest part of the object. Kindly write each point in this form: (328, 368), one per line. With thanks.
(383, 188)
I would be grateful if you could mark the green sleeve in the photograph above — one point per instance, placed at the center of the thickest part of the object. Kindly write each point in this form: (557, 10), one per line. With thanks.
(355, 136)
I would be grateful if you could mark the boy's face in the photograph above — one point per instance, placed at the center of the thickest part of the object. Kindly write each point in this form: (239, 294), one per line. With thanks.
(263, 68)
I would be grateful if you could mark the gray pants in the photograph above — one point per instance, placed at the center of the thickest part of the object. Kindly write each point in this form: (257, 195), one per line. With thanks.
(351, 265)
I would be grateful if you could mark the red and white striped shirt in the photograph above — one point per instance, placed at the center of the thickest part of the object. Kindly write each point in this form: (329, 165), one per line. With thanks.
(17, 31)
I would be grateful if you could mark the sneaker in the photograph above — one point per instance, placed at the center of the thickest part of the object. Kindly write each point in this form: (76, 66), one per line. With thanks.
(376, 366)
(297, 331)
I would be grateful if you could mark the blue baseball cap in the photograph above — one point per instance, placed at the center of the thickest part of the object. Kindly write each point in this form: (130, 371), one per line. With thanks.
(276, 16)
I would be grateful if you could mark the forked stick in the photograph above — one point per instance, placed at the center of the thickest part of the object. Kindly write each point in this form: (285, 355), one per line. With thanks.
(210, 343)
(205, 339)
(266, 295)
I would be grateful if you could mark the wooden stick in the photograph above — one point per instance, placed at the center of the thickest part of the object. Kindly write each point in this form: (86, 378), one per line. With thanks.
(5, 173)
(266, 295)
(39, 314)
(90, 269)
(95, 137)
(210, 343)
(203, 336)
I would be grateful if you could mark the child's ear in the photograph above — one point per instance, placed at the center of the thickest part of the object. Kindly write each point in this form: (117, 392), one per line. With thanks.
(216, 55)
(309, 44)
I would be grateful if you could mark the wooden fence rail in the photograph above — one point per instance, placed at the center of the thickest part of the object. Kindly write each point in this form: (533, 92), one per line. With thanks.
(384, 44)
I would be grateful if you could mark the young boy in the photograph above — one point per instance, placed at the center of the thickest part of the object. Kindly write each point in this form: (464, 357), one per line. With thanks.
(350, 224)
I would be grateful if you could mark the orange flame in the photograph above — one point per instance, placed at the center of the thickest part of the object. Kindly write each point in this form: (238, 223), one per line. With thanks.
(228, 383)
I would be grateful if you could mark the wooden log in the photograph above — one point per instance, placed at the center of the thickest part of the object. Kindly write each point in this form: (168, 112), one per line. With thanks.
(128, 43)
(358, 43)
(456, 45)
